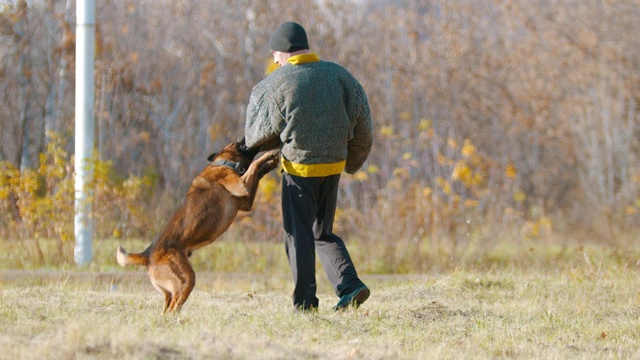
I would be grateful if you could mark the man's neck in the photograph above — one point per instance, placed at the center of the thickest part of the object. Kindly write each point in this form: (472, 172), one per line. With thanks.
(299, 52)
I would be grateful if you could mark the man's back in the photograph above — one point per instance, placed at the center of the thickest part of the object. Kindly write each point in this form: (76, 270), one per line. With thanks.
(315, 106)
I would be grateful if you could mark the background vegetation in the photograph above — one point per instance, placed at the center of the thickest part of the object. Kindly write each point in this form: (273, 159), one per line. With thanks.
(495, 120)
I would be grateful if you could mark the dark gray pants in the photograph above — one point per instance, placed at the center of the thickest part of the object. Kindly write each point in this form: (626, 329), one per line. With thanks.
(308, 210)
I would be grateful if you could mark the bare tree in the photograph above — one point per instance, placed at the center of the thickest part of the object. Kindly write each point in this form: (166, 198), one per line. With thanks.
(545, 91)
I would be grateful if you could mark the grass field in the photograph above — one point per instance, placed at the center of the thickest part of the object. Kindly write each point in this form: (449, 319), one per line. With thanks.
(579, 303)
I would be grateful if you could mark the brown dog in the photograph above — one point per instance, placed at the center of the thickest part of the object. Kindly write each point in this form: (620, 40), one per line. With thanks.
(226, 185)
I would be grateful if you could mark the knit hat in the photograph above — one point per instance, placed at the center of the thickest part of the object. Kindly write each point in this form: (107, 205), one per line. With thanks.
(289, 37)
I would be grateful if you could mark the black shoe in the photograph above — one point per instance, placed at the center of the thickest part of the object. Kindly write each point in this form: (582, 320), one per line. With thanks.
(355, 298)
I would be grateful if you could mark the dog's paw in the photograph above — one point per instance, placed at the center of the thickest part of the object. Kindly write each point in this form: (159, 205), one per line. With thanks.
(272, 159)
(272, 155)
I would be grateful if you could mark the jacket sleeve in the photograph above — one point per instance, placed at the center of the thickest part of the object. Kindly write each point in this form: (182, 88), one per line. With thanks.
(264, 121)
(359, 146)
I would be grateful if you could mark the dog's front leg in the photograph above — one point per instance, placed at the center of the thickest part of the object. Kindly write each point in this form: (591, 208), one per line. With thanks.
(256, 171)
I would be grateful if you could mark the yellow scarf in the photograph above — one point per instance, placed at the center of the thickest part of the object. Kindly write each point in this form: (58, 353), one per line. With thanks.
(303, 59)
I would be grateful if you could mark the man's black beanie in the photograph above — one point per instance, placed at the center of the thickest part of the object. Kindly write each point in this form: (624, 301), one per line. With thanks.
(289, 37)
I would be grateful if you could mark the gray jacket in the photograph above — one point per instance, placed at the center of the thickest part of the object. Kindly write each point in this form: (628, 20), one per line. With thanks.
(316, 112)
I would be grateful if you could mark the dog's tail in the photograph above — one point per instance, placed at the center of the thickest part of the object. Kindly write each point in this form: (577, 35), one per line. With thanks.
(125, 259)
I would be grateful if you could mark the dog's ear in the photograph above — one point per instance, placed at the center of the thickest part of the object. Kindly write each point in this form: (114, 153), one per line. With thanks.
(227, 179)
(234, 185)
(212, 156)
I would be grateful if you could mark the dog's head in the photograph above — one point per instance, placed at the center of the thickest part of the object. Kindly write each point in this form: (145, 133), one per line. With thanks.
(236, 151)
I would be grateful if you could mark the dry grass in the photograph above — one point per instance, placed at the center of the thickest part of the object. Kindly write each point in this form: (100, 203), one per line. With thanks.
(589, 308)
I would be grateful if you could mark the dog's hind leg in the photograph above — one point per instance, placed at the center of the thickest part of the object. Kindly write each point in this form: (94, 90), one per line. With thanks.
(184, 285)
(163, 291)
(167, 301)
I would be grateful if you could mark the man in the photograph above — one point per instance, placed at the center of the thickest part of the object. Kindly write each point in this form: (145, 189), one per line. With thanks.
(317, 113)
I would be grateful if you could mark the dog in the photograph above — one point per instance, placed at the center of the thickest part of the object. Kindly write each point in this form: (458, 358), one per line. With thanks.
(225, 186)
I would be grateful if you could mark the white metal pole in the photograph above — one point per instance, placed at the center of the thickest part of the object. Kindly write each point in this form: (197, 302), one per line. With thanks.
(84, 127)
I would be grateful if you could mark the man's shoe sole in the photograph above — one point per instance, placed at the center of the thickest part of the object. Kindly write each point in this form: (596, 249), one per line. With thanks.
(360, 297)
